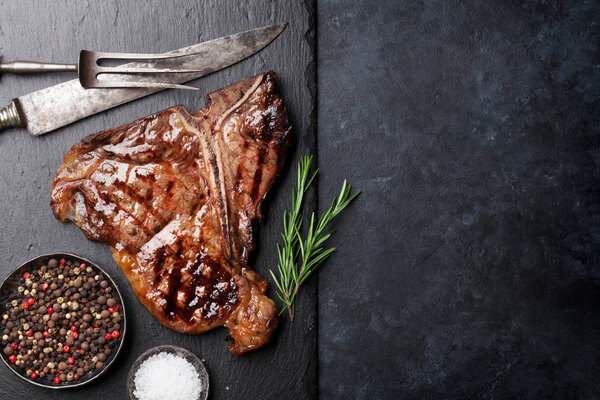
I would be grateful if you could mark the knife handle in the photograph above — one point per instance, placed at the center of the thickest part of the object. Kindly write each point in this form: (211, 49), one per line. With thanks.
(30, 67)
(10, 116)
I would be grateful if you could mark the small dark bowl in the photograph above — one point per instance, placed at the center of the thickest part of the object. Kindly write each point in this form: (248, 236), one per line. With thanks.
(178, 351)
(7, 290)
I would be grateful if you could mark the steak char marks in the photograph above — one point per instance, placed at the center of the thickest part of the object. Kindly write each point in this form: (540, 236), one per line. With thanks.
(176, 195)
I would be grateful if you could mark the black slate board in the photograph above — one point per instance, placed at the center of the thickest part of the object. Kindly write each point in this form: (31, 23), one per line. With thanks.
(56, 31)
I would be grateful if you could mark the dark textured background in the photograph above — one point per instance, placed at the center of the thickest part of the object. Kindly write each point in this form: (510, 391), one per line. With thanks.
(56, 31)
(470, 265)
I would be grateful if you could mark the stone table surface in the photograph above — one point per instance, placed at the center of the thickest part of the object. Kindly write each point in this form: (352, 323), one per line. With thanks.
(470, 265)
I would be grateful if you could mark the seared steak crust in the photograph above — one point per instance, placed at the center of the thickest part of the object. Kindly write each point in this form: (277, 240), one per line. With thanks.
(176, 195)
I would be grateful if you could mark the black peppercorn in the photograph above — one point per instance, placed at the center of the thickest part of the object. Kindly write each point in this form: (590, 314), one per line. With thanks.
(68, 320)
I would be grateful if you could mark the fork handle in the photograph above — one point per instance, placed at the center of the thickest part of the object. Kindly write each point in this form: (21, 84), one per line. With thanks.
(30, 67)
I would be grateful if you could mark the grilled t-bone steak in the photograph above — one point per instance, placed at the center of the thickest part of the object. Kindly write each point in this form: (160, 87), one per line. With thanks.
(176, 196)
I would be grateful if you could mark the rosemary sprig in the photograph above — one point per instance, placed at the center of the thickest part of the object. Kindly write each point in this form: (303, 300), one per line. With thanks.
(299, 258)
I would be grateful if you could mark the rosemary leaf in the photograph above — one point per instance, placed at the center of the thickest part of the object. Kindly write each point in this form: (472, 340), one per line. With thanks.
(298, 257)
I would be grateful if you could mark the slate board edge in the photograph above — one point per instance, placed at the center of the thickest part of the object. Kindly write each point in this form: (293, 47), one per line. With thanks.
(311, 83)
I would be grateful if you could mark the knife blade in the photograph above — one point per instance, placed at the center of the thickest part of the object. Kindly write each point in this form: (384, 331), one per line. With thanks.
(54, 107)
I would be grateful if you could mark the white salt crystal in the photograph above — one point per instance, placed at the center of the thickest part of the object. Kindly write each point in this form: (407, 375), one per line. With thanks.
(167, 376)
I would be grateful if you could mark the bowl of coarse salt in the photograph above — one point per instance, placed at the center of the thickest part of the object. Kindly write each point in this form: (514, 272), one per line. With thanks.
(167, 372)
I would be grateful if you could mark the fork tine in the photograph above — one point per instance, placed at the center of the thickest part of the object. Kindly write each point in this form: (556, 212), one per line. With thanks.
(125, 84)
(139, 56)
(140, 70)
(89, 71)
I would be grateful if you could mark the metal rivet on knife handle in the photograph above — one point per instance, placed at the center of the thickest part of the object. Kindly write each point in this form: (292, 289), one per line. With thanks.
(10, 117)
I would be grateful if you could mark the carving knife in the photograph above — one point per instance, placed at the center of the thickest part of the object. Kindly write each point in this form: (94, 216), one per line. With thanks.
(60, 105)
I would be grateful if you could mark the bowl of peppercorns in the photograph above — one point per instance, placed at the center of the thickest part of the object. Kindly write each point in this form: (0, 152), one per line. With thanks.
(62, 321)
